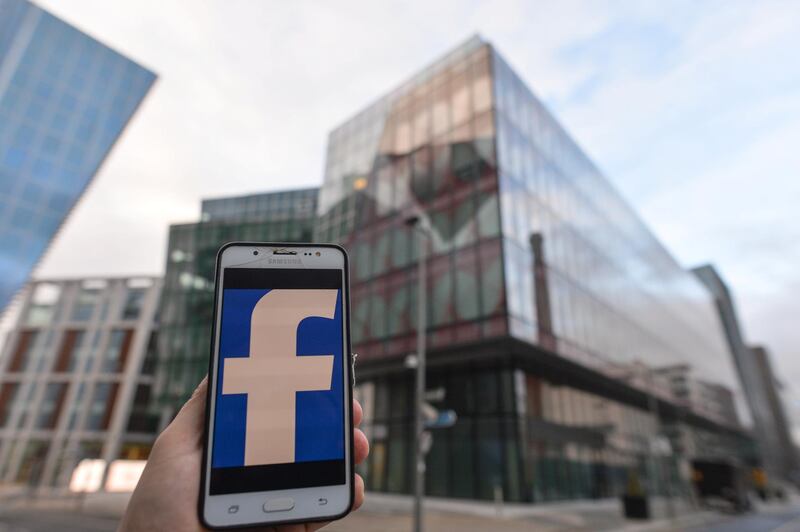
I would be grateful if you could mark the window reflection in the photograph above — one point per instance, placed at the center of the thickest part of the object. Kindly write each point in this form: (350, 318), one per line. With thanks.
(469, 149)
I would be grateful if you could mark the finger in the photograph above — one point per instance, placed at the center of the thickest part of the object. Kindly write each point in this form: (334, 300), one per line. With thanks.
(361, 444)
(290, 528)
(201, 388)
(359, 493)
(189, 421)
(358, 413)
(357, 502)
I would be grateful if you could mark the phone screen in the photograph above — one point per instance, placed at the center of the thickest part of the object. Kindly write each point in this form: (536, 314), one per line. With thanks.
(279, 417)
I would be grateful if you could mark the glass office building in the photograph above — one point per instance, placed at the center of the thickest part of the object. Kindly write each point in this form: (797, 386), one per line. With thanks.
(187, 301)
(550, 303)
(64, 100)
(76, 374)
(772, 431)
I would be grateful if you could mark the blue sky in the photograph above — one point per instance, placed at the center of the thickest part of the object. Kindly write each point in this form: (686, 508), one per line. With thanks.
(691, 108)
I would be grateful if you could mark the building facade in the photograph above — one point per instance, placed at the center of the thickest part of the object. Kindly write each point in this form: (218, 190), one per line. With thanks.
(544, 286)
(76, 376)
(65, 98)
(187, 302)
(779, 451)
(769, 422)
(712, 400)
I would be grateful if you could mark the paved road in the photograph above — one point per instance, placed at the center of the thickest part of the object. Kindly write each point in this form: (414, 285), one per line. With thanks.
(65, 521)
(30, 520)
(787, 520)
(47, 521)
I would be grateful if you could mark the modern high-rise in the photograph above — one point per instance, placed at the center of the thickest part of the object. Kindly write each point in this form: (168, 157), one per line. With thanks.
(544, 288)
(76, 377)
(65, 98)
(779, 451)
(188, 295)
(770, 426)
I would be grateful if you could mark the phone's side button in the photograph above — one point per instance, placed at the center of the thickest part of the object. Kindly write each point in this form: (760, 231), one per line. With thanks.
(279, 505)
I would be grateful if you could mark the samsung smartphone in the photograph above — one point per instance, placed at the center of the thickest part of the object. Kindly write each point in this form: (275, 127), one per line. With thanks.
(279, 423)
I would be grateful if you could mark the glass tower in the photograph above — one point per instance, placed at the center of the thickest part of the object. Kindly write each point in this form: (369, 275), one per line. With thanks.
(187, 300)
(551, 305)
(772, 432)
(64, 100)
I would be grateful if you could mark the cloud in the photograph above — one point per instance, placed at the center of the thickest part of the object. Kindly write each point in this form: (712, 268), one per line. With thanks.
(691, 109)
(247, 93)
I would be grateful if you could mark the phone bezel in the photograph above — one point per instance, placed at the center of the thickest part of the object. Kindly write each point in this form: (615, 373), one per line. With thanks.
(349, 485)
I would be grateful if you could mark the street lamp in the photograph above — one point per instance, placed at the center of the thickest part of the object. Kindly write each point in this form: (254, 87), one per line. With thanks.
(657, 463)
(415, 222)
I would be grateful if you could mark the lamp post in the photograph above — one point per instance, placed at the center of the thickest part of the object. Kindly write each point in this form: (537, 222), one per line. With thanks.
(415, 222)
(657, 463)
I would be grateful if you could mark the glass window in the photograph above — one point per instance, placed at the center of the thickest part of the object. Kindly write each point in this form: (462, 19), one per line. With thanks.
(466, 290)
(43, 302)
(490, 457)
(381, 400)
(21, 357)
(360, 318)
(440, 111)
(461, 394)
(440, 166)
(481, 86)
(8, 394)
(463, 453)
(421, 119)
(75, 406)
(487, 391)
(133, 304)
(400, 399)
(421, 166)
(33, 458)
(102, 405)
(438, 466)
(376, 478)
(378, 318)
(492, 289)
(459, 99)
(27, 403)
(463, 220)
(399, 459)
(84, 304)
(69, 351)
(380, 253)
(441, 293)
(488, 216)
(400, 246)
(398, 306)
(51, 404)
(361, 264)
(117, 350)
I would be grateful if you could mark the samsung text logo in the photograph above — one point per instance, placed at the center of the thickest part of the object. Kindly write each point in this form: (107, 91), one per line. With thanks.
(284, 261)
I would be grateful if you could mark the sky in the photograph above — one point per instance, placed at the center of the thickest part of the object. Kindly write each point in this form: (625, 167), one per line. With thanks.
(692, 109)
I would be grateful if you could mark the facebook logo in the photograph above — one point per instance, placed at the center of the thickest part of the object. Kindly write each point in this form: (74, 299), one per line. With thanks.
(279, 396)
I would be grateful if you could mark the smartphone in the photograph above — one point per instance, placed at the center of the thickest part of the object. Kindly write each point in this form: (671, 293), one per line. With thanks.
(278, 444)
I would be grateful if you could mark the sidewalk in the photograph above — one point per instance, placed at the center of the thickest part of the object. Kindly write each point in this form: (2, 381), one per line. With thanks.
(392, 513)
(387, 513)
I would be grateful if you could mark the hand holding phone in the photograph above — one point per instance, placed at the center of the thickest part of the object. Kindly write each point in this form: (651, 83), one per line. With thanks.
(166, 495)
(281, 333)
(278, 445)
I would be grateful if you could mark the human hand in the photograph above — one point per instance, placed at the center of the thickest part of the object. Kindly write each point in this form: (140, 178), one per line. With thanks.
(166, 496)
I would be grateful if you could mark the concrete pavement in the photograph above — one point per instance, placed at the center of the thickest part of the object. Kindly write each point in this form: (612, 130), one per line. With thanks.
(391, 513)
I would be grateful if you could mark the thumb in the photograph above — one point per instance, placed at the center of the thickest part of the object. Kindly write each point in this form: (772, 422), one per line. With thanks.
(188, 424)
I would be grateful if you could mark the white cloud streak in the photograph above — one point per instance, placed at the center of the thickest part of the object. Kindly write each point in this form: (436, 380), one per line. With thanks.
(692, 109)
